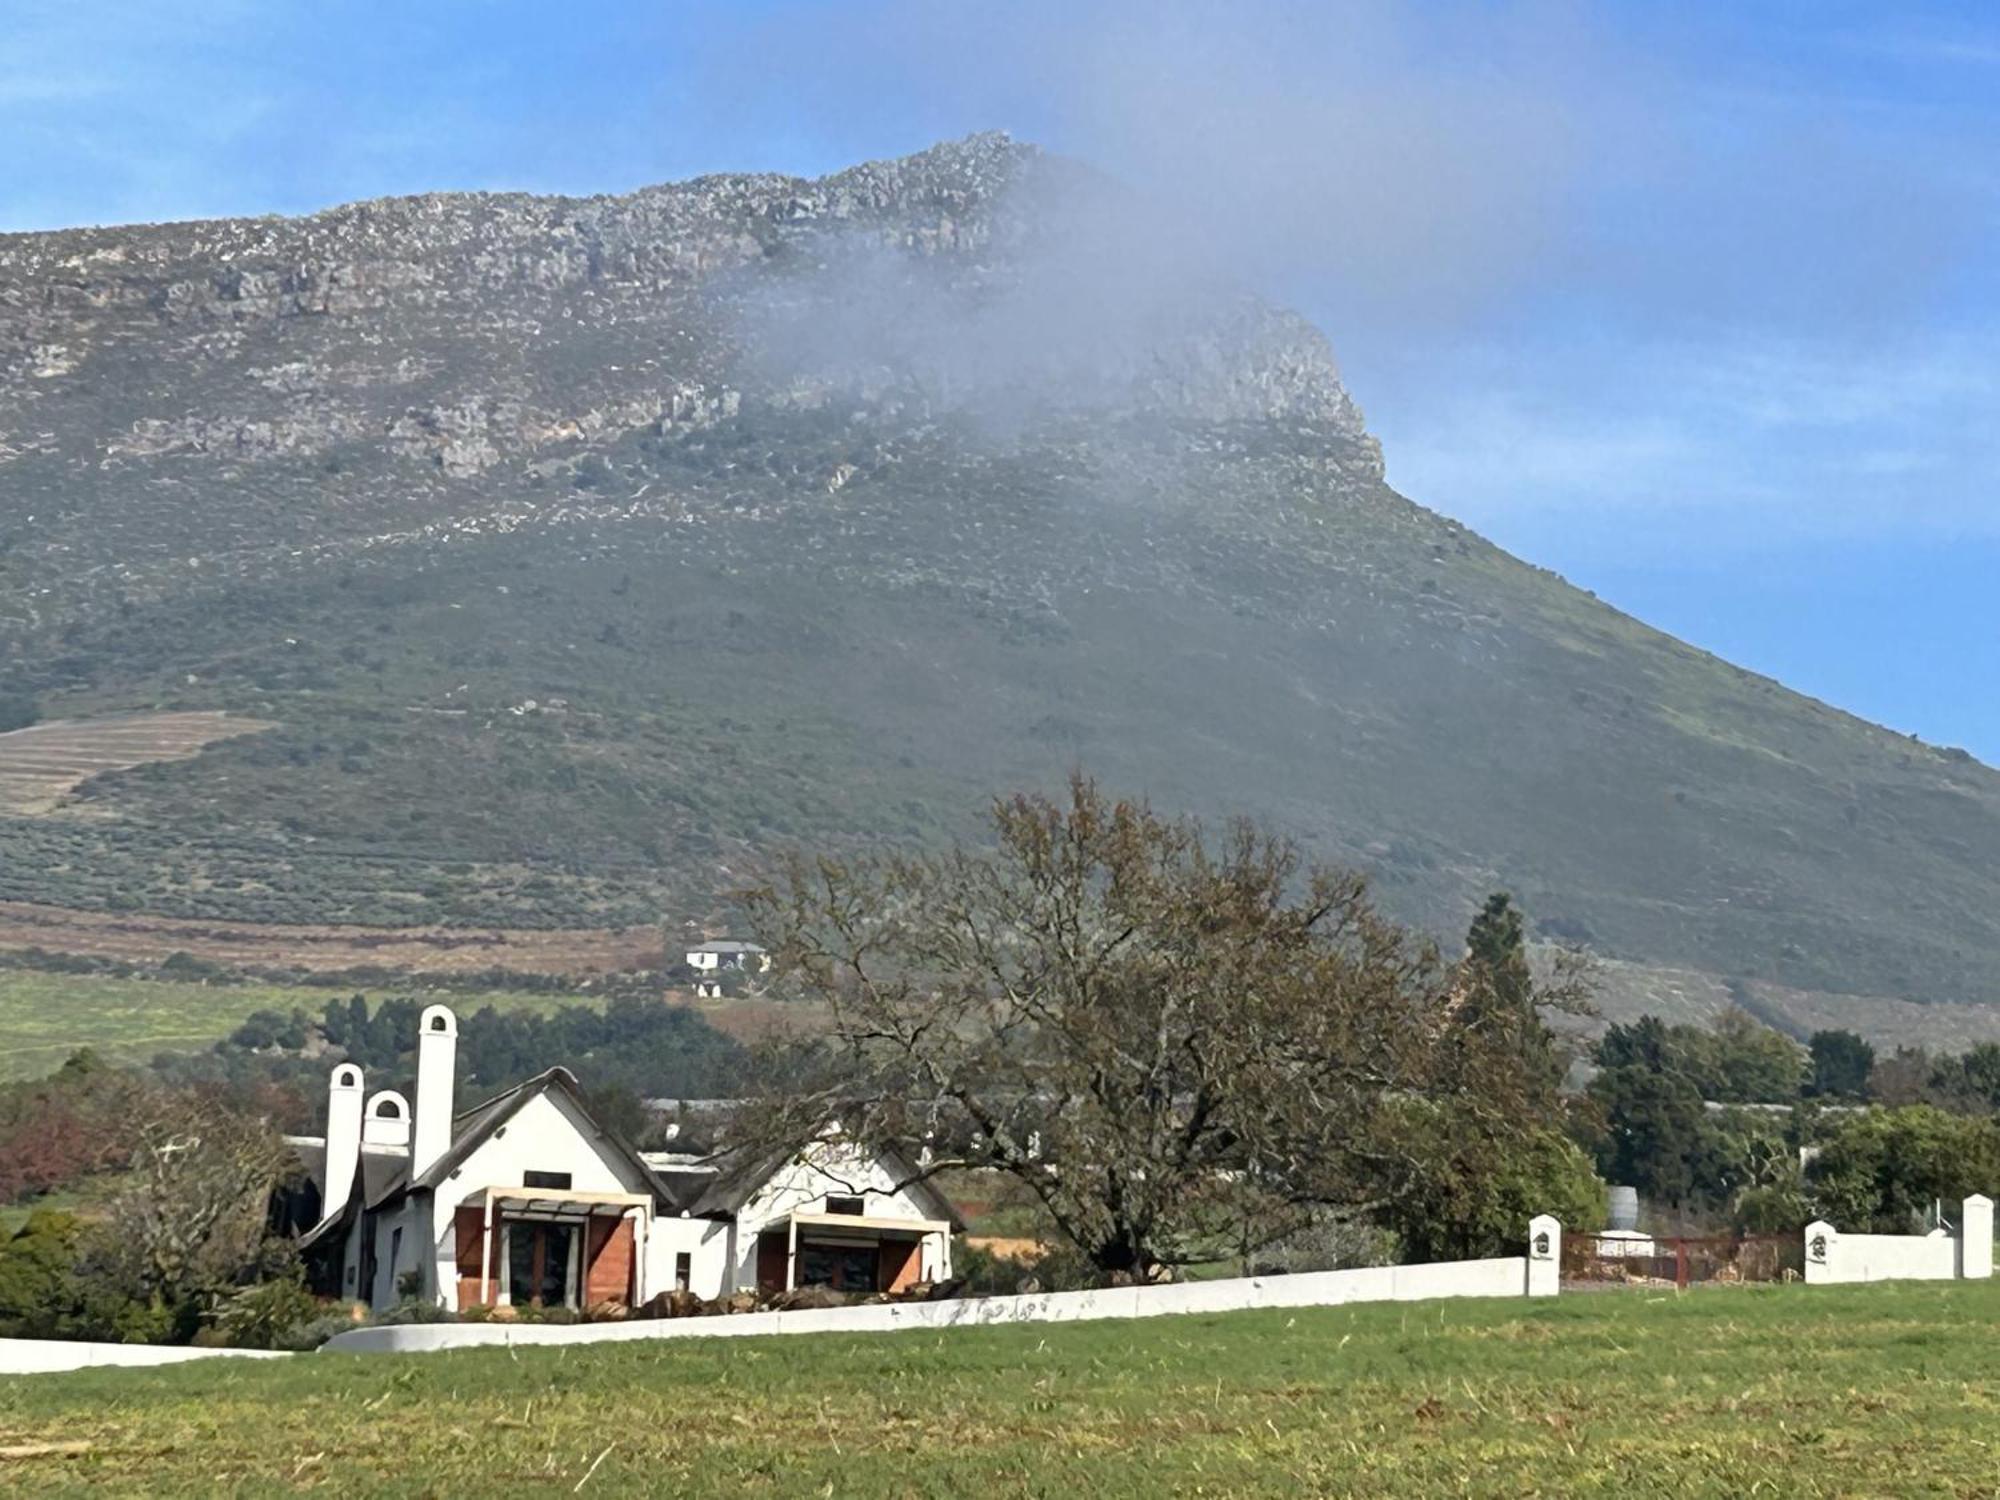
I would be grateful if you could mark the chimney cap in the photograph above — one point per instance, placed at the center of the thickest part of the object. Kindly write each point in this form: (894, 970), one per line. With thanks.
(438, 1020)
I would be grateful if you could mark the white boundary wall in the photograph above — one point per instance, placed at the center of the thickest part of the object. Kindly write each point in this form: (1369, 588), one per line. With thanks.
(1833, 1258)
(46, 1356)
(1512, 1276)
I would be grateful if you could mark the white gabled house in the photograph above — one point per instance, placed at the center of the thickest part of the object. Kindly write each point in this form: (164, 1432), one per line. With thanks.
(724, 953)
(524, 1199)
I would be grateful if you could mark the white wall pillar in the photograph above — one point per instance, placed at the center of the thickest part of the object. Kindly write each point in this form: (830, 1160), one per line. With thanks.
(1975, 1237)
(1545, 1242)
(1822, 1252)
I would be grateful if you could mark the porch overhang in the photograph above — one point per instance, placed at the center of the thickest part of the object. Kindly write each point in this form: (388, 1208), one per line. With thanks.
(557, 1203)
(927, 1239)
(557, 1206)
(872, 1225)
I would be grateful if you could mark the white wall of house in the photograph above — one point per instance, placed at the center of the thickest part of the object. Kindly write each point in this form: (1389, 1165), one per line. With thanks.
(830, 1166)
(706, 1243)
(547, 1134)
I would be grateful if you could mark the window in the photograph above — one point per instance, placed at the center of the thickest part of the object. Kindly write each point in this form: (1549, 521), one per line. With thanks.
(845, 1268)
(545, 1179)
(395, 1252)
(540, 1264)
(683, 1271)
(852, 1206)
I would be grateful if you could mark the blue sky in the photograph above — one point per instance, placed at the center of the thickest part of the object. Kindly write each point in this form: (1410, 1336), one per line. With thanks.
(1697, 304)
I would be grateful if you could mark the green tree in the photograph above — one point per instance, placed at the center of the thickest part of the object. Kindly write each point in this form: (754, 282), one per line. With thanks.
(1740, 1060)
(1474, 1190)
(1653, 1135)
(1644, 1043)
(1881, 1170)
(1970, 1081)
(1841, 1065)
(1501, 998)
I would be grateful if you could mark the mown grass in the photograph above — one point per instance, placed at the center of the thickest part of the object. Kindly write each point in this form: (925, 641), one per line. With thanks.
(46, 1017)
(1828, 1391)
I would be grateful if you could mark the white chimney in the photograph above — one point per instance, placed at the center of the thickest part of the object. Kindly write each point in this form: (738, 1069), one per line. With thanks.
(387, 1122)
(437, 1081)
(343, 1137)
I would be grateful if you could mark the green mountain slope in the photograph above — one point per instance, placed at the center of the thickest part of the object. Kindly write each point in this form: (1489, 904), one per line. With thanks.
(580, 550)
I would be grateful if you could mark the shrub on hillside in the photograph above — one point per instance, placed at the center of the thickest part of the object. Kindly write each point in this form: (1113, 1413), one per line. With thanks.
(18, 711)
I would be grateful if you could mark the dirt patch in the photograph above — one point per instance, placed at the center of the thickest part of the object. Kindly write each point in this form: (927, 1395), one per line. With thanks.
(753, 1018)
(1006, 1247)
(255, 946)
(44, 763)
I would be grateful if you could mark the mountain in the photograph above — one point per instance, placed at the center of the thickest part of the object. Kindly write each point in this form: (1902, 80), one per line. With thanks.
(564, 555)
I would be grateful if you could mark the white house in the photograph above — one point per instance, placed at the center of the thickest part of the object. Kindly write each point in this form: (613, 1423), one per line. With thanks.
(525, 1199)
(709, 958)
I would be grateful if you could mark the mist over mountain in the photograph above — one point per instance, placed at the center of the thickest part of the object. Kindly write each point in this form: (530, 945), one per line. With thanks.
(581, 551)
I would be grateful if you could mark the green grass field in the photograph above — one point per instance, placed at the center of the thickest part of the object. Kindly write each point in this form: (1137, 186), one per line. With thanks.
(1783, 1391)
(45, 1017)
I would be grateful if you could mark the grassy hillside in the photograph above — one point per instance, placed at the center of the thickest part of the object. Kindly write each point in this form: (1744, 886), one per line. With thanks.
(1847, 1391)
(571, 591)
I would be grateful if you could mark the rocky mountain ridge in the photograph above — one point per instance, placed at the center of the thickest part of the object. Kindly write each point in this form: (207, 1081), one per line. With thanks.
(585, 550)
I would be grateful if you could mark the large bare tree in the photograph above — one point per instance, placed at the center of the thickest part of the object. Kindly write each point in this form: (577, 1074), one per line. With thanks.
(1175, 1041)
(192, 1220)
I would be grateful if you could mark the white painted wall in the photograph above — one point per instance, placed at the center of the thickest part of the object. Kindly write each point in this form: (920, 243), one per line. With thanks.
(1508, 1277)
(1882, 1257)
(830, 1165)
(546, 1134)
(705, 1241)
(47, 1356)
(1833, 1257)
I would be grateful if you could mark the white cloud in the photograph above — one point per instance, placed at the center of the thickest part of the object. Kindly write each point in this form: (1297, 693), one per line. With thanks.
(1746, 444)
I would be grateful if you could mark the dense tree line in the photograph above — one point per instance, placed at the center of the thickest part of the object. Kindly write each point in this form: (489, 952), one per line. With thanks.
(1735, 1122)
(632, 1045)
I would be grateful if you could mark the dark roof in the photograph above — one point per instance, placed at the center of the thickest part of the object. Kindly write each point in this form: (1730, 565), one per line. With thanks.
(312, 1157)
(738, 1181)
(383, 1174)
(735, 1182)
(478, 1124)
(686, 1183)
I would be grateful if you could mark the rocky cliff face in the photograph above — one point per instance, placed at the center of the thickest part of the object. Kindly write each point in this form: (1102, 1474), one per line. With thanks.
(581, 550)
(459, 330)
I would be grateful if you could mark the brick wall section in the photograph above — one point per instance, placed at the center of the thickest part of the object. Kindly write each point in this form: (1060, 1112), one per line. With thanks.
(468, 1224)
(608, 1260)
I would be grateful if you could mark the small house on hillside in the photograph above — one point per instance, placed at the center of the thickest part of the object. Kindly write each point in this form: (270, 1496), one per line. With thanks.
(525, 1199)
(725, 953)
